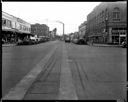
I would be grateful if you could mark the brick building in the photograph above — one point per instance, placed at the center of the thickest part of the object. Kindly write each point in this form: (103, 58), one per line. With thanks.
(107, 22)
(40, 29)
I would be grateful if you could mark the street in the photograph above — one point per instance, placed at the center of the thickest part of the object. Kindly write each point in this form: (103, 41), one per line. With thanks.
(99, 72)
(17, 61)
(76, 72)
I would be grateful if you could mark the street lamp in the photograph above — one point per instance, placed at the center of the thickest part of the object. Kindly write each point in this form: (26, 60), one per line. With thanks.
(63, 27)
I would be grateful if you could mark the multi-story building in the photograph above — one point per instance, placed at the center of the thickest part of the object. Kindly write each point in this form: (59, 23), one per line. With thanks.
(107, 22)
(53, 33)
(14, 28)
(40, 29)
(82, 30)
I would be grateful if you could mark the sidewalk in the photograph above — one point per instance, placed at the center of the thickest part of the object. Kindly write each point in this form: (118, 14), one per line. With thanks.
(105, 45)
(8, 45)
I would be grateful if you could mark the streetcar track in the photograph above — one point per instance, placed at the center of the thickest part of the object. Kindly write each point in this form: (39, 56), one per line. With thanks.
(84, 71)
(48, 65)
(77, 74)
(42, 73)
(81, 80)
(52, 65)
(50, 68)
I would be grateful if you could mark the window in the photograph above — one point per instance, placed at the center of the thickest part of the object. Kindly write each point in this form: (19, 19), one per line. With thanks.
(20, 27)
(116, 13)
(3, 22)
(9, 24)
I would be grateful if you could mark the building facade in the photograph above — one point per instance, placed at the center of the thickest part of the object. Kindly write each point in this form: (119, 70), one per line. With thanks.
(107, 23)
(53, 34)
(82, 30)
(14, 28)
(40, 30)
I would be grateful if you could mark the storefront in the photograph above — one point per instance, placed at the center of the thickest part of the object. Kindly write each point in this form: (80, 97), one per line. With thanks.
(118, 35)
(9, 36)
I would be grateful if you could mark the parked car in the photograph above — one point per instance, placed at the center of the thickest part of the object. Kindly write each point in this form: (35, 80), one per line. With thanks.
(26, 42)
(81, 41)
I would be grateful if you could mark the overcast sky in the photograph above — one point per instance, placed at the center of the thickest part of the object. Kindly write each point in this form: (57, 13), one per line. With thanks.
(72, 14)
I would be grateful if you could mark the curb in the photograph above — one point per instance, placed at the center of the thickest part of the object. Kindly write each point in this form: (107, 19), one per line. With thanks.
(18, 92)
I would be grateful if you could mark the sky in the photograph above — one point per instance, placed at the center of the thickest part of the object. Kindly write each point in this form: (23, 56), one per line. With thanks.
(72, 14)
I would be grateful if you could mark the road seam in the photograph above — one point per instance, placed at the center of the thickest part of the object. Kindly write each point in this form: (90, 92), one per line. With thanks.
(19, 91)
(67, 89)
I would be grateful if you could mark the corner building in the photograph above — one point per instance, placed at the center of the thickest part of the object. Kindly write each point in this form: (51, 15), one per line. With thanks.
(107, 23)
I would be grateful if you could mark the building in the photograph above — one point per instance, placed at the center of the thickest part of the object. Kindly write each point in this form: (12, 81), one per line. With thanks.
(53, 33)
(14, 28)
(107, 23)
(82, 30)
(40, 29)
(76, 35)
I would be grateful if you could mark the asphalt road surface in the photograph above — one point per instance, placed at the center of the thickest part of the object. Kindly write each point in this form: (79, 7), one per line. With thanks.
(17, 61)
(86, 72)
(98, 72)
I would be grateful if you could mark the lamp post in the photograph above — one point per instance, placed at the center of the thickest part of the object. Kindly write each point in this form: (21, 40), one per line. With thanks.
(63, 27)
